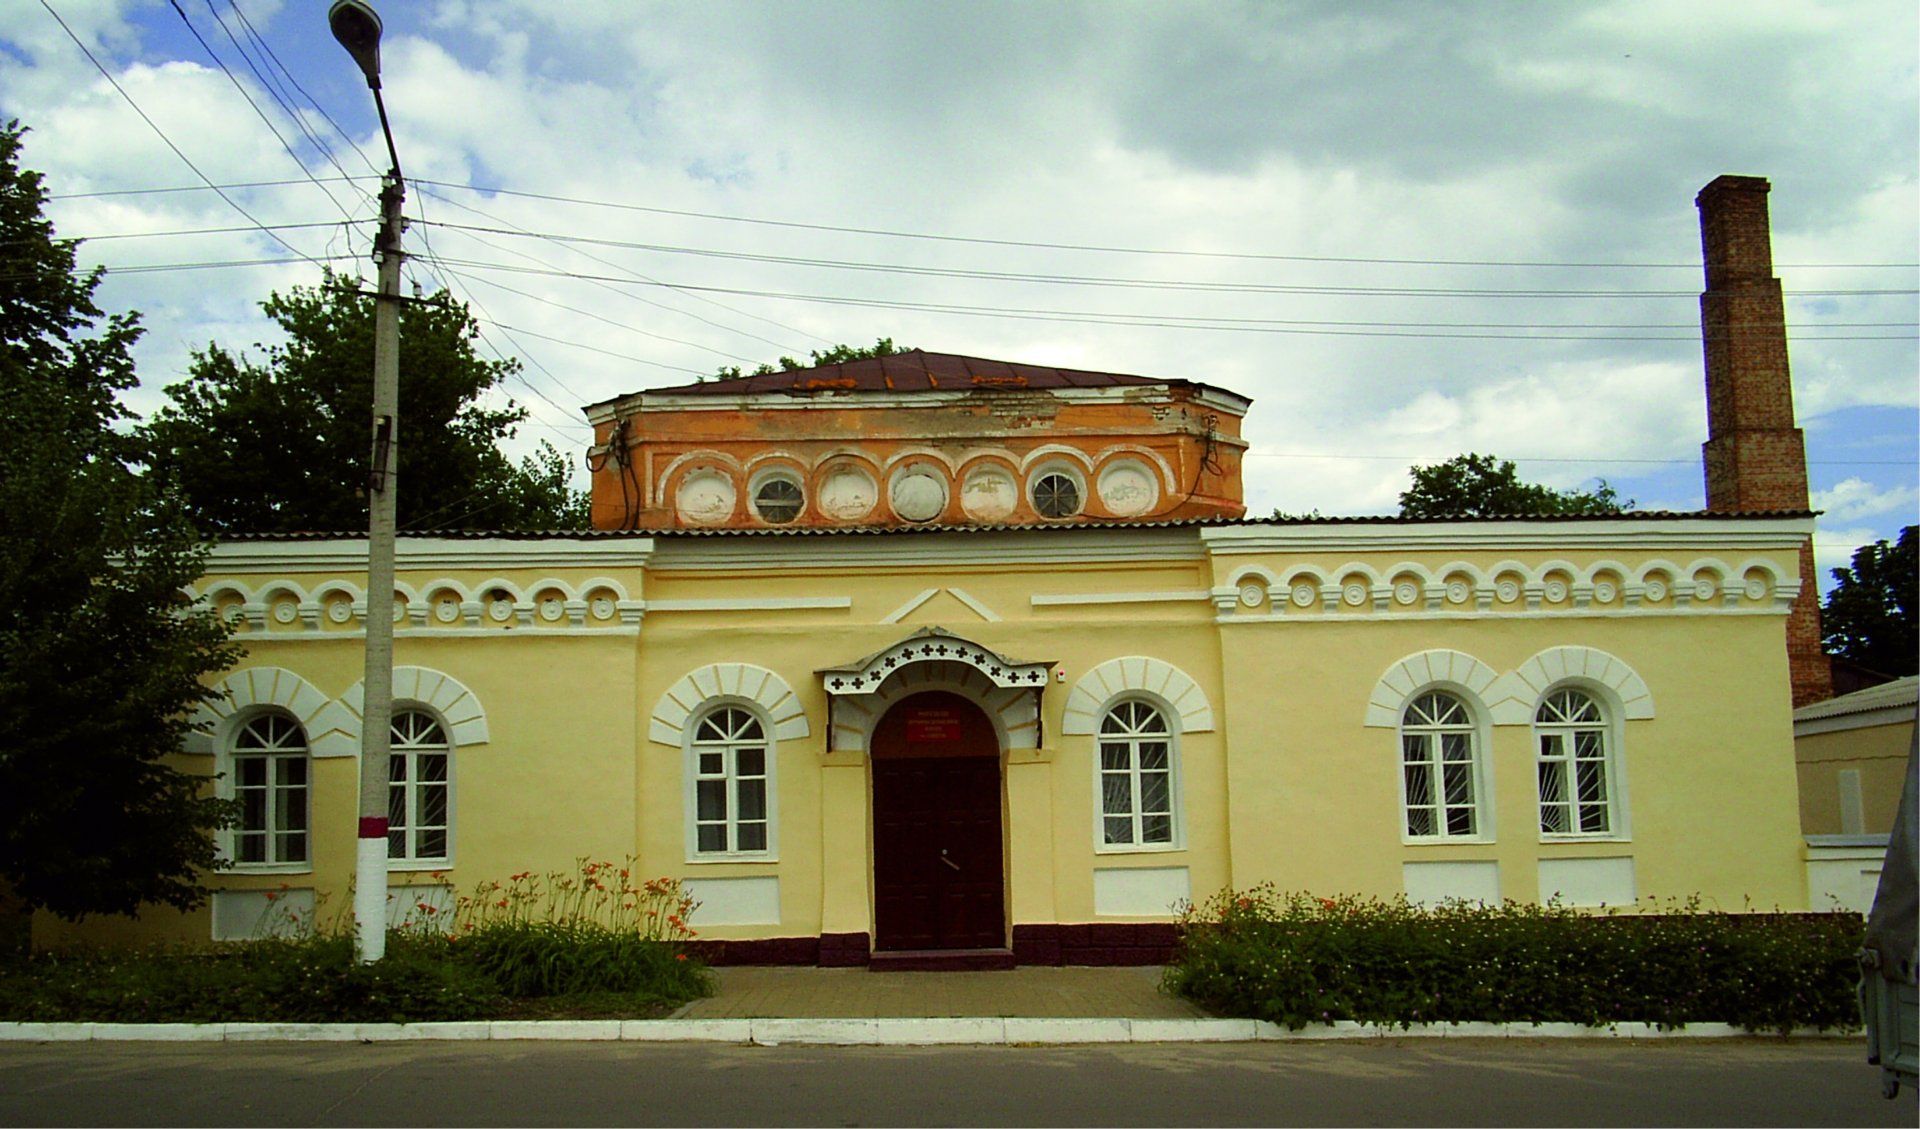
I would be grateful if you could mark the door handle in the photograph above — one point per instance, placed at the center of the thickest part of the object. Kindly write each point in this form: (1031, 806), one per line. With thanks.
(948, 861)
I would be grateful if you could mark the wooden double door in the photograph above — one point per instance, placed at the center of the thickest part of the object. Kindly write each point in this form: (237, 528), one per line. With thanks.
(938, 876)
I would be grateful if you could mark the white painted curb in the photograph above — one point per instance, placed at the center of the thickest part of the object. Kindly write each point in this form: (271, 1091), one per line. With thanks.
(973, 1030)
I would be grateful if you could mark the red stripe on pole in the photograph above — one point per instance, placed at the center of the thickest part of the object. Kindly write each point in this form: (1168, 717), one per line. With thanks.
(373, 827)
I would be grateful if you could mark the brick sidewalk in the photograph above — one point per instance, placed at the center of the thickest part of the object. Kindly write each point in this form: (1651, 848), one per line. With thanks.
(855, 993)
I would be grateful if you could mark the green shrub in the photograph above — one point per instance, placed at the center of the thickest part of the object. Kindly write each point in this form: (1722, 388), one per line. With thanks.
(1297, 959)
(538, 958)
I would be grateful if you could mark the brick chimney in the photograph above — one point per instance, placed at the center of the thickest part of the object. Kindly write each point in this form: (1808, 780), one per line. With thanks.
(1755, 457)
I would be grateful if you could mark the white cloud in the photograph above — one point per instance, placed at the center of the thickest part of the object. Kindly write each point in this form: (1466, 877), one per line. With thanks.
(1853, 498)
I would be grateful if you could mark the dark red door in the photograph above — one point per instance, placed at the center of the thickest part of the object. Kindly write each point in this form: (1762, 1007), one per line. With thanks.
(936, 827)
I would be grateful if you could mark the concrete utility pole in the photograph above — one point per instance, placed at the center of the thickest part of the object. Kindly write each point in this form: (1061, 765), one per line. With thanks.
(357, 27)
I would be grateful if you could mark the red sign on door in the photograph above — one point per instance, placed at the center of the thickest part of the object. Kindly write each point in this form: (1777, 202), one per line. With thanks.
(933, 725)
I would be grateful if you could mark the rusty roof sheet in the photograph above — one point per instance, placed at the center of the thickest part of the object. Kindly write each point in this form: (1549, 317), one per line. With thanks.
(917, 370)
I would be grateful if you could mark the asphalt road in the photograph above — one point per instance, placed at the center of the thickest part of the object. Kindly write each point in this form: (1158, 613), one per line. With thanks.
(1370, 1082)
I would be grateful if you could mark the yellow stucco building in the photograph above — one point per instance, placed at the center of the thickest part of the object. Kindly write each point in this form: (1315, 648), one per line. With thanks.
(925, 660)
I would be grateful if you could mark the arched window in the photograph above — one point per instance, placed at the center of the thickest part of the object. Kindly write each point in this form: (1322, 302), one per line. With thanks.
(1576, 771)
(731, 777)
(419, 789)
(269, 765)
(1136, 777)
(1438, 768)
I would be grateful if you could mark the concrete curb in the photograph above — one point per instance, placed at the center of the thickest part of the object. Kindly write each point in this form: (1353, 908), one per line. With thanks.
(975, 1030)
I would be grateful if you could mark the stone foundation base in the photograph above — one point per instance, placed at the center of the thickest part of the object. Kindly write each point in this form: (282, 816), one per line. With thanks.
(1105, 944)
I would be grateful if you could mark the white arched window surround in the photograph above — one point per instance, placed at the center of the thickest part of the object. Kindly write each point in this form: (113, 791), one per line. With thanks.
(1562, 745)
(1137, 776)
(730, 783)
(1430, 740)
(265, 763)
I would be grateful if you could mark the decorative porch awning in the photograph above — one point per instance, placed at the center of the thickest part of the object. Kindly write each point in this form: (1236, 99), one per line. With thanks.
(932, 644)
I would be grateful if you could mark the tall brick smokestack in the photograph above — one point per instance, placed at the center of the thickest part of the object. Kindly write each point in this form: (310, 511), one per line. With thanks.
(1755, 457)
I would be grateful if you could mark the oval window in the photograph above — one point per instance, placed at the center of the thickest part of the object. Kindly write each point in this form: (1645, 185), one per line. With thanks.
(778, 500)
(1056, 495)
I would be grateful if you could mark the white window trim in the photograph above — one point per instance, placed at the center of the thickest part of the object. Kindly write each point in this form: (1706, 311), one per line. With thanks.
(1612, 731)
(1480, 734)
(395, 864)
(224, 788)
(1176, 792)
(690, 776)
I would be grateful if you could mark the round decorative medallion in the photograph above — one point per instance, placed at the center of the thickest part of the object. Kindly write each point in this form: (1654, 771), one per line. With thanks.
(1507, 590)
(1127, 488)
(1304, 595)
(1251, 594)
(847, 494)
(1656, 589)
(705, 497)
(1604, 591)
(989, 494)
(1354, 594)
(500, 610)
(446, 610)
(231, 613)
(601, 607)
(552, 608)
(1556, 591)
(1756, 588)
(1703, 588)
(1406, 592)
(340, 611)
(286, 611)
(399, 609)
(1458, 591)
(918, 496)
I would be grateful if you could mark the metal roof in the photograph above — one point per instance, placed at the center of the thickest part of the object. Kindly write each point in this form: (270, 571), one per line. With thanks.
(915, 370)
(1887, 695)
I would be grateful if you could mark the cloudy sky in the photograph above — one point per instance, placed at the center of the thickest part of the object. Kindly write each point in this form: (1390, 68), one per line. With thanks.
(1406, 230)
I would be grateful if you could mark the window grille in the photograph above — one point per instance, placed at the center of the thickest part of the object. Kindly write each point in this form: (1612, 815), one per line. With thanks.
(1438, 766)
(778, 500)
(419, 790)
(1056, 495)
(1576, 789)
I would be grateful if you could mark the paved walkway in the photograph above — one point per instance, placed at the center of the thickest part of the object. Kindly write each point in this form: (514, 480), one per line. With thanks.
(855, 993)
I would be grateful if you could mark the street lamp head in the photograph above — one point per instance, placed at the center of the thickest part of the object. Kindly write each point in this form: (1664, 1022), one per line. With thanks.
(357, 26)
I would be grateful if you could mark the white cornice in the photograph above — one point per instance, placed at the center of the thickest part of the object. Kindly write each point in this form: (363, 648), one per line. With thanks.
(1092, 546)
(1627, 532)
(350, 554)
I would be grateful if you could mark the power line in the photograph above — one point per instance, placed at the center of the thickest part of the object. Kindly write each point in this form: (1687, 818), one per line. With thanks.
(311, 100)
(111, 81)
(272, 88)
(200, 187)
(197, 231)
(1609, 461)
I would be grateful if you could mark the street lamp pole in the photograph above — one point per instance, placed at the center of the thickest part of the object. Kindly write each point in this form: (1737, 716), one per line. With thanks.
(357, 26)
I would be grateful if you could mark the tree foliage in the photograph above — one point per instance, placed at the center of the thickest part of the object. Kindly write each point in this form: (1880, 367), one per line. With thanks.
(1484, 486)
(100, 659)
(283, 443)
(1869, 616)
(832, 355)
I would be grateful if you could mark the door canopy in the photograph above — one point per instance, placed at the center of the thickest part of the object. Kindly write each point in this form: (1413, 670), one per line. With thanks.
(932, 645)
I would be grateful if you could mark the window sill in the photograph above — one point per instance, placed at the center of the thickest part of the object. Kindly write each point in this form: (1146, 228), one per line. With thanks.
(707, 860)
(1590, 837)
(1139, 849)
(270, 868)
(406, 866)
(1447, 841)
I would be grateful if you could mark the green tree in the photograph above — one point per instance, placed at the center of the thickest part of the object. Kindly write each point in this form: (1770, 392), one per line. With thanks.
(101, 660)
(832, 355)
(1869, 615)
(1484, 486)
(283, 443)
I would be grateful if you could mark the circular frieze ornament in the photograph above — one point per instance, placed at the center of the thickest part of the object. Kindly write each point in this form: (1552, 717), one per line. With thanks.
(918, 496)
(286, 611)
(1656, 589)
(500, 610)
(847, 494)
(1703, 588)
(1304, 595)
(1756, 588)
(1458, 591)
(231, 613)
(1406, 592)
(340, 611)
(1127, 488)
(1354, 594)
(602, 607)
(1556, 591)
(399, 609)
(705, 497)
(1251, 594)
(552, 608)
(1507, 590)
(1604, 591)
(989, 494)
(446, 610)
